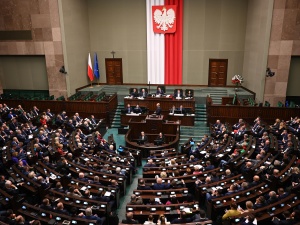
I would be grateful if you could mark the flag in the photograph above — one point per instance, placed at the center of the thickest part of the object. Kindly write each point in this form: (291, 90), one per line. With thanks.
(164, 50)
(155, 48)
(90, 69)
(96, 67)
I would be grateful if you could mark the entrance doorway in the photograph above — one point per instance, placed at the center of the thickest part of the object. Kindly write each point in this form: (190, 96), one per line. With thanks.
(217, 72)
(114, 74)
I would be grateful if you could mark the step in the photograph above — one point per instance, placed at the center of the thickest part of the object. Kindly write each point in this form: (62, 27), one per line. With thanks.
(201, 113)
(200, 118)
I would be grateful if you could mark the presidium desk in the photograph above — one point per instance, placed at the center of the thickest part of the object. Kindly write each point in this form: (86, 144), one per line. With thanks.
(152, 125)
(166, 103)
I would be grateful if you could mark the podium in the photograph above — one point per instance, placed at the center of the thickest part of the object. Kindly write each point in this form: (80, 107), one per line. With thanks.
(152, 126)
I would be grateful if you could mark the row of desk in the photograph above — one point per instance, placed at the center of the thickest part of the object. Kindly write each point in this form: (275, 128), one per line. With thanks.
(186, 120)
(168, 124)
(166, 103)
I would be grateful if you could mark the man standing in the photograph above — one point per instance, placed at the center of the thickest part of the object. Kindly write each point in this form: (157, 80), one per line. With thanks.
(158, 109)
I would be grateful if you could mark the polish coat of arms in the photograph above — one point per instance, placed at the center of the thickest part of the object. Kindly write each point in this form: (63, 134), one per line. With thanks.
(164, 19)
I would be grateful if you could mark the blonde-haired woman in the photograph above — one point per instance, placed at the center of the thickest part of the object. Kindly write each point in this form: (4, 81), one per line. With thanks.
(162, 220)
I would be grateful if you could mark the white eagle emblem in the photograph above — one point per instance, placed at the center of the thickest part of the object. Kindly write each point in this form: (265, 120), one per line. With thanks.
(164, 19)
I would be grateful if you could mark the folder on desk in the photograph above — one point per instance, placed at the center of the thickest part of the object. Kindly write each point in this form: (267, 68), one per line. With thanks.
(107, 194)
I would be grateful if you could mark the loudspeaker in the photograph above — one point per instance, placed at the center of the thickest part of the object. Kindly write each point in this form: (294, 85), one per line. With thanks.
(62, 70)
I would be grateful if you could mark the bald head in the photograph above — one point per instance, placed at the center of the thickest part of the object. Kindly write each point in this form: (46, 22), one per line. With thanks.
(159, 180)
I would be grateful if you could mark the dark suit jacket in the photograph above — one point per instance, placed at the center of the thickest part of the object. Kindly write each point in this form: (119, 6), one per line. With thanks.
(134, 94)
(210, 167)
(128, 110)
(137, 110)
(162, 139)
(145, 138)
(283, 222)
(144, 188)
(160, 92)
(161, 186)
(158, 111)
(144, 95)
(182, 110)
(127, 221)
(179, 220)
(176, 94)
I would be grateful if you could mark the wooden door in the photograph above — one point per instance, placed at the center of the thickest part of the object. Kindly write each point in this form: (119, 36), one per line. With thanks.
(114, 74)
(217, 72)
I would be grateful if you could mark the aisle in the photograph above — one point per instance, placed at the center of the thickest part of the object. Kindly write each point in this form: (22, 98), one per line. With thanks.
(120, 140)
(129, 190)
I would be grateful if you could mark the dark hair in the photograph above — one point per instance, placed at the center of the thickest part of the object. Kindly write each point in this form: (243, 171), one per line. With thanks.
(286, 214)
(150, 217)
(233, 205)
(251, 217)
(71, 189)
(202, 213)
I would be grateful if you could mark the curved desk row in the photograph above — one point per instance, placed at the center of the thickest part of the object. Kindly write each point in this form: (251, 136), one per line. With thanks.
(152, 126)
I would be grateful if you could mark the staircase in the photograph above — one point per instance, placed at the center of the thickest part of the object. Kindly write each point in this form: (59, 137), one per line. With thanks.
(199, 129)
(216, 94)
(116, 120)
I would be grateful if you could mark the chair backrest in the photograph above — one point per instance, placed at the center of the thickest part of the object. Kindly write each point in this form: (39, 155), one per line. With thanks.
(175, 91)
(187, 91)
(131, 90)
(267, 104)
(292, 104)
(146, 89)
(163, 88)
(279, 104)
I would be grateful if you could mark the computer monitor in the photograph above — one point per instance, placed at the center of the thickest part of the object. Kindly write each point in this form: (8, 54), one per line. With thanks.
(135, 110)
(140, 141)
(176, 111)
(158, 142)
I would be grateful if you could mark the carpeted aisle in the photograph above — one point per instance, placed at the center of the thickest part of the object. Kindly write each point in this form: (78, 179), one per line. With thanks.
(120, 140)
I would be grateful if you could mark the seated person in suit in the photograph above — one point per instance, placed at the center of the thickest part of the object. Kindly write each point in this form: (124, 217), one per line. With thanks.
(89, 216)
(189, 94)
(143, 138)
(182, 219)
(143, 186)
(128, 109)
(149, 163)
(178, 94)
(134, 93)
(173, 109)
(137, 109)
(181, 110)
(159, 91)
(143, 93)
(129, 219)
(158, 109)
(160, 138)
(159, 185)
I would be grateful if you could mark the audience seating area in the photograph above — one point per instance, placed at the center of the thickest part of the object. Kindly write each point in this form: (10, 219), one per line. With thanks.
(60, 170)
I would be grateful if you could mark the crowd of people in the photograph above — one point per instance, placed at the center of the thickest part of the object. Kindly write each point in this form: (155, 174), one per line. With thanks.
(43, 133)
(273, 150)
(51, 139)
